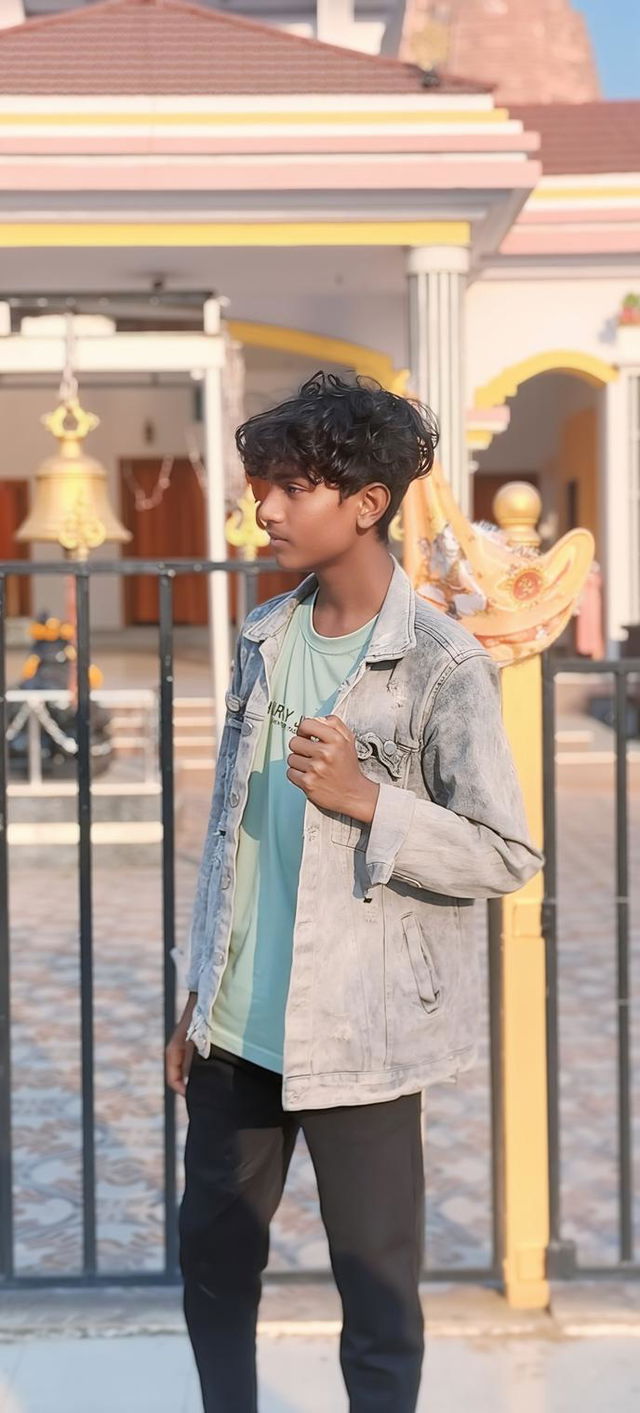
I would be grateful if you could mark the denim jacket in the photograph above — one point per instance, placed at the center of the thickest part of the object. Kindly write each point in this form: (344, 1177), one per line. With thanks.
(384, 997)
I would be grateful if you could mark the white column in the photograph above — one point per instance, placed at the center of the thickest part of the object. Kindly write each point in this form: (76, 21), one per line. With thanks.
(634, 496)
(334, 21)
(620, 503)
(437, 282)
(11, 13)
(216, 542)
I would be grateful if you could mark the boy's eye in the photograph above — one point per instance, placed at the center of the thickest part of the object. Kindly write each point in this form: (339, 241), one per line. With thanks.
(296, 489)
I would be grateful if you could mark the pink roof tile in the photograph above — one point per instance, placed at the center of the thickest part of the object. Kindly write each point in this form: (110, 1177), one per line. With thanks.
(585, 137)
(175, 47)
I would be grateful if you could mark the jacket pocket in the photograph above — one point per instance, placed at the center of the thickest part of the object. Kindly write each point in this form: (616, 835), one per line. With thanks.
(422, 963)
(388, 758)
(348, 831)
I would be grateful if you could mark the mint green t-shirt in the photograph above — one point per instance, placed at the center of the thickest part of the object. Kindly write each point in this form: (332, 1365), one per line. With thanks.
(248, 1013)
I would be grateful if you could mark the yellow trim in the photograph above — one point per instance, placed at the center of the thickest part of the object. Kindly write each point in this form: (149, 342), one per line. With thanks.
(246, 233)
(306, 118)
(583, 193)
(584, 365)
(367, 361)
(478, 441)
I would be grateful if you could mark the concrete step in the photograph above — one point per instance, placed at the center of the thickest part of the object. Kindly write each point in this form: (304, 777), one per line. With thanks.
(126, 821)
(577, 739)
(194, 736)
(53, 805)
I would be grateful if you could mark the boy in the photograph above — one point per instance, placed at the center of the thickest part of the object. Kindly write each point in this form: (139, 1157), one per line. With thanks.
(364, 795)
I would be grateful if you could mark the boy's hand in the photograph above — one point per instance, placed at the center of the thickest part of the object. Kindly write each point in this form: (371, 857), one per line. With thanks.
(179, 1051)
(328, 770)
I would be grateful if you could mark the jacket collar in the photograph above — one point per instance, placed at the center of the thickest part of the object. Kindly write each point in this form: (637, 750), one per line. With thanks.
(393, 635)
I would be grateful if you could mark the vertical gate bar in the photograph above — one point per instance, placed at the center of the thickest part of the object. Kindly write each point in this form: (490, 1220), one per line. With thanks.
(6, 1163)
(168, 907)
(250, 579)
(494, 951)
(622, 935)
(549, 924)
(83, 729)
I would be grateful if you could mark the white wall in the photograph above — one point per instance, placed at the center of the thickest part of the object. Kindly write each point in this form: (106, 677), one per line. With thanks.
(349, 293)
(360, 297)
(509, 320)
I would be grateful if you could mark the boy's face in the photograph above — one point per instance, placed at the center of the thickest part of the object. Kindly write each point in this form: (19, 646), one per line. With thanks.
(310, 527)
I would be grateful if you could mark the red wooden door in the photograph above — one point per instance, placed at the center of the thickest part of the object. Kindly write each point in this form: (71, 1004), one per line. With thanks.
(486, 487)
(14, 505)
(173, 529)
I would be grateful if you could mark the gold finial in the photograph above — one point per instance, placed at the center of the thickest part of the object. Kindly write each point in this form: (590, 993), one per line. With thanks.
(69, 422)
(517, 508)
(242, 528)
(429, 46)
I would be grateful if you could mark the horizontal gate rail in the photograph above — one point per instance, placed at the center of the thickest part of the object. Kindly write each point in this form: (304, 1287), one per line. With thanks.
(563, 1256)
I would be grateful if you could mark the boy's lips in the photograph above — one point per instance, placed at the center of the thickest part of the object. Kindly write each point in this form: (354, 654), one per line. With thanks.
(278, 540)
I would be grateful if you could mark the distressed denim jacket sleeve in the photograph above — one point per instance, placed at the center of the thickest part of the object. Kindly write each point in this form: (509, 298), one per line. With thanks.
(189, 964)
(470, 838)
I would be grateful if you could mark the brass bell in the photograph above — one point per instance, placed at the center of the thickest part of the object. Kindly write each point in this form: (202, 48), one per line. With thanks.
(71, 504)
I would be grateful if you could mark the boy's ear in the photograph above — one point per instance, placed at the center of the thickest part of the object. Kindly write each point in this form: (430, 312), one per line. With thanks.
(374, 501)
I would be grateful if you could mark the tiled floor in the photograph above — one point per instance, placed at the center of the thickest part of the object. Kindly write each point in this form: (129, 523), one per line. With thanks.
(155, 1375)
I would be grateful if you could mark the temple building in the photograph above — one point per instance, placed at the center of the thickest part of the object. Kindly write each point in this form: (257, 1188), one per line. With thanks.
(431, 193)
(540, 51)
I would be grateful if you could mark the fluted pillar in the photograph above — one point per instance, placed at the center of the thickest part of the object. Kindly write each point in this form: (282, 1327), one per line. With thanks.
(437, 280)
(619, 548)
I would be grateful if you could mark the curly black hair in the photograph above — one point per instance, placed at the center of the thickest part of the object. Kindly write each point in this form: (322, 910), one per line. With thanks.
(347, 434)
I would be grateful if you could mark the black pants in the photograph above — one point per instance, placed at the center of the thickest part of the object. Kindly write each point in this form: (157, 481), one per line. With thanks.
(368, 1166)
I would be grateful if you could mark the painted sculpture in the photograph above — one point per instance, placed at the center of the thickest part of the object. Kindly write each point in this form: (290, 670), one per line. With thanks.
(515, 599)
(47, 669)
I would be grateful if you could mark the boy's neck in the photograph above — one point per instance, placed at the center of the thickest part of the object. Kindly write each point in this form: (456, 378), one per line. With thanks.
(352, 591)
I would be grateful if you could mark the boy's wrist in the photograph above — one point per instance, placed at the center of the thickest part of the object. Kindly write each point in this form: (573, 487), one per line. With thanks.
(363, 804)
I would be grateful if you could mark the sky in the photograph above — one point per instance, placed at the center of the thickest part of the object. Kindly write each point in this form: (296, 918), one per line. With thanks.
(614, 26)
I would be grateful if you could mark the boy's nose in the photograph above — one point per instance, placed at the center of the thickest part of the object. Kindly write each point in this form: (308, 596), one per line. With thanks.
(270, 509)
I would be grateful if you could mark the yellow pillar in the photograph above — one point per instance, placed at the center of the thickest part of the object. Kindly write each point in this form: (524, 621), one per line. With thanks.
(524, 1057)
(524, 1053)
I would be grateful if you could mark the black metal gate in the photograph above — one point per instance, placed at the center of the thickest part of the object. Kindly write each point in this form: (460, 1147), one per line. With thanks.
(485, 1260)
(82, 573)
(606, 944)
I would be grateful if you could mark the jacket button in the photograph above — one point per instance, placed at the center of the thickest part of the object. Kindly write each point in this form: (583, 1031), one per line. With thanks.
(234, 798)
(225, 881)
(247, 727)
(389, 748)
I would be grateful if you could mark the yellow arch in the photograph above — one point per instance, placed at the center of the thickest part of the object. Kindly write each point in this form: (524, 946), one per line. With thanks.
(368, 361)
(582, 365)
